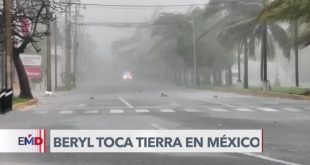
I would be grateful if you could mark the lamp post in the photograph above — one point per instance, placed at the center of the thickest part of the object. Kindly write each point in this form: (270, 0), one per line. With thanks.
(196, 81)
(55, 52)
(49, 62)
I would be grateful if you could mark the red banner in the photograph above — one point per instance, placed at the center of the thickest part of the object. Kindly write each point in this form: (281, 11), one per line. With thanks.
(33, 72)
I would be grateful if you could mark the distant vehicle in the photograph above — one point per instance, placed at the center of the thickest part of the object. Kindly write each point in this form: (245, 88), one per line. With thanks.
(127, 76)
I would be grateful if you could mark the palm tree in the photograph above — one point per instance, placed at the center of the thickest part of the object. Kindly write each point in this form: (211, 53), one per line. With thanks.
(243, 28)
(175, 29)
(280, 10)
(292, 11)
(210, 54)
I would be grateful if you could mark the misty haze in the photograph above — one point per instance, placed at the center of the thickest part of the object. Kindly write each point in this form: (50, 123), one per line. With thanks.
(158, 65)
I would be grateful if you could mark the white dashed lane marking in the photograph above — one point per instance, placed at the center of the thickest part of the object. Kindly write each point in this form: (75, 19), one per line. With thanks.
(218, 110)
(167, 110)
(243, 109)
(191, 110)
(116, 111)
(92, 112)
(292, 109)
(142, 110)
(65, 112)
(268, 109)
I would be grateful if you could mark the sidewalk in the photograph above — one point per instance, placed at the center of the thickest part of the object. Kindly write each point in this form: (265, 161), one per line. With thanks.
(38, 97)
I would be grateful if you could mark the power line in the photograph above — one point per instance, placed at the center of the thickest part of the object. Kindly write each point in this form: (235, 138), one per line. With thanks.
(125, 24)
(134, 6)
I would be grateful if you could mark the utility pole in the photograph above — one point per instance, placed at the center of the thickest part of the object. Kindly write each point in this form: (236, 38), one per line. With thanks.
(49, 62)
(82, 55)
(3, 68)
(246, 65)
(79, 69)
(8, 54)
(68, 43)
(75, 50)
(55, 52)
(195, 56)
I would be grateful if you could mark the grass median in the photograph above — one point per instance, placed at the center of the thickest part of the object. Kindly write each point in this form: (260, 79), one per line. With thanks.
(292, 90)
(286, 90)
(281, 90)
(17, 100)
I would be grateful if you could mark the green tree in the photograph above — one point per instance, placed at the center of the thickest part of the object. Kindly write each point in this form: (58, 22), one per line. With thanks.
(243, 28)
(28, 16)
(294, 11)
(177, 30)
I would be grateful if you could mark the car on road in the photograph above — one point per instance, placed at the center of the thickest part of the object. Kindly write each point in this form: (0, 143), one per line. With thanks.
(127, 76)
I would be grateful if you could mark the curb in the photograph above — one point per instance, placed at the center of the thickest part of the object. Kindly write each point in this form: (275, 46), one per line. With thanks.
(25, 104)
(268, 94)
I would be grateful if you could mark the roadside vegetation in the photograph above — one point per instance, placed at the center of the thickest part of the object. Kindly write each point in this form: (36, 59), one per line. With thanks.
(17, 100)
(29, 26)
(222, 34)
(286, 90)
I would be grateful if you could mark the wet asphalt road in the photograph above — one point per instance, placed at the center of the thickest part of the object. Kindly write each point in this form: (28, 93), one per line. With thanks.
(138, 106)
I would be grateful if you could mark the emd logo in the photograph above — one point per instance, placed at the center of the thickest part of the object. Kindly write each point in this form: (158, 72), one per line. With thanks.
(22, 141)
(30, 140)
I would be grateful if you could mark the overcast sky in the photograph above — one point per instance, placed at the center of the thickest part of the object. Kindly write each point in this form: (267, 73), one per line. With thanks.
(105, 36)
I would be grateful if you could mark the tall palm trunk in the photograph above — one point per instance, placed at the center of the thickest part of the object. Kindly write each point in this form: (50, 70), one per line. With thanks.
(296, 51)
(215, 78)
(185, 76)
(179, 79)
(264, 53)
(175, 76)
(264, 65)
(208, 79)
(246, 65)
(220, 77)
(228, 75)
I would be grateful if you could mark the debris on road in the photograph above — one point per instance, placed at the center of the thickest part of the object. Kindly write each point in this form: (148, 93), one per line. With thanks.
(163, 95)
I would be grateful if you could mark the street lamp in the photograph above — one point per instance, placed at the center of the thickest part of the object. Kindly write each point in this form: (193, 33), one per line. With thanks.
(195, 53)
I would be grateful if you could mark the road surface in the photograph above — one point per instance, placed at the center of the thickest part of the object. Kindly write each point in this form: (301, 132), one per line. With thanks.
(139, 106)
